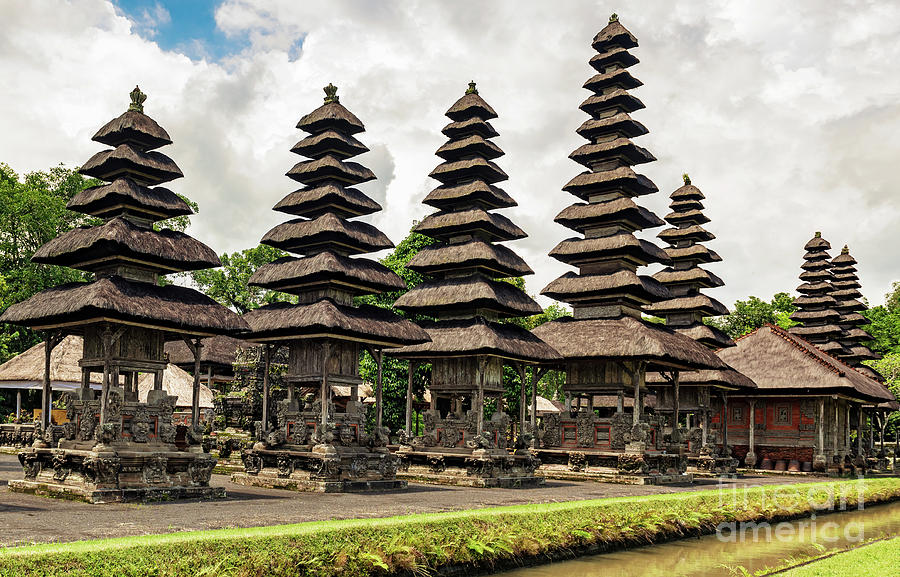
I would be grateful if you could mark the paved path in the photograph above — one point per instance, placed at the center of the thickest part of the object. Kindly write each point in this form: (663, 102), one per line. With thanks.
(30, 519)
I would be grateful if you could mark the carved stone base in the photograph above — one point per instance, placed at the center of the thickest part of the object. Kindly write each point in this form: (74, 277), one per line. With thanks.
(469, 467)
(147, 494)
(709, 465)
(648, 468)
(295, 484)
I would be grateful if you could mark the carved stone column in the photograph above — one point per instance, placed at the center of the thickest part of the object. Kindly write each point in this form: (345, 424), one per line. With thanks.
(750, 459)
(819, 460)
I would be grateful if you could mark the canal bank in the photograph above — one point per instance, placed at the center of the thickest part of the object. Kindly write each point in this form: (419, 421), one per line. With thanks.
(464, 542)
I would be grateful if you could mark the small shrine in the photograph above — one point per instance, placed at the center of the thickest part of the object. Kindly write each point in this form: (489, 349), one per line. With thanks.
(462, 443)
(608, 347)
(309, 443)
(700, 394)
(114, 446)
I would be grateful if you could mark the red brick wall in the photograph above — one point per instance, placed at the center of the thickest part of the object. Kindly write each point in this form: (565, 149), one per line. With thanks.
(775, 453)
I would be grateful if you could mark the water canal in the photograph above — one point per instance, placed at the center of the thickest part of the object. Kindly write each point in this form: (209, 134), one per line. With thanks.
(724, 554)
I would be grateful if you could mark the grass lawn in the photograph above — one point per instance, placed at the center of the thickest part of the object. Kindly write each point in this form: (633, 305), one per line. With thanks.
(881, 558)
(482, 538)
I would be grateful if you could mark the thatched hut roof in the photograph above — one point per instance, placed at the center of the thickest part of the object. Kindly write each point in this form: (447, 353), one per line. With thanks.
(586, 154)
(218, 351)
(177, 383)
(327, 231)
(146, 168)
(468, 293)
(477, 222)
(477, 336)
(622, 179)
(471, 105)
(576, 251)
(26, 370)
(626, 339)
(620, 123)
(580, 216)
(331, 116)
(476, 192)
(314, 201)
(109, 199)
(463, 128)
(334, 142)
(623, 284)
(330, 168)
(114, 298)
(470, 145)
(783, 363)
(496, 260)
(727, 378)
(135, 128)
(327, 269)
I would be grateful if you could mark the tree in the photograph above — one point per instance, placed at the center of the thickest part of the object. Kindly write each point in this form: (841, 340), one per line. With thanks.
(228, 284)
(884, 323)
(889, 368)
(753, 313)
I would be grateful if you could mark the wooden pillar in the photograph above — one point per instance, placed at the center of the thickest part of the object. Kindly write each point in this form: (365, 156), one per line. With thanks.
(704, 427)
(157, 380)
(535, 377)
(522, 387)
(104, 394)
(482, 366)
(195, 396)
(638, 380)
(50, 341)
(882, 423)
(724, 419)
(752, 431)
(18, 404)
(835, 426)
(409, 396)
(676, 406)
(379, 408)
(326, 356)
(265, 391)
(209, 382)
(820, 427)
(85, 384)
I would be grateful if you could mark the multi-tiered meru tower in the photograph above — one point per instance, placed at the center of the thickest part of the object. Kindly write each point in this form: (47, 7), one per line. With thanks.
(310, 445)
(698, 393)
(816, 306)
(469, 346)
(607, 346)
(845, 283)
(115, 447)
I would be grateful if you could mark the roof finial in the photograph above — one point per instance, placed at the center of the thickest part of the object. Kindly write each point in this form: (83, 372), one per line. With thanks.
(471, 89)
(331, 94)
(613, 18)
(818, 234)
(687, 179)
(845, 250)
(137, 99)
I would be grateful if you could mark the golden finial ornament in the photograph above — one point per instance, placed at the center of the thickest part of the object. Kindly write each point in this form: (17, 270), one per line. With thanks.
(331, 94)
(471, 89)
(137, 99)
(687, 179)
(613, 18)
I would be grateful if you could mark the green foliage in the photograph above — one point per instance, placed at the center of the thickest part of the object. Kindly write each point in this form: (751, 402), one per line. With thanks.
(753, 313)
(179, 223)
(228, 284)
(889, 367)
(884, 323)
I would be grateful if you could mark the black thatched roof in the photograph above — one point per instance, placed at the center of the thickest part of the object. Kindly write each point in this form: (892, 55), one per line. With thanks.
(356, 275)
(218, 351)
(626, 338)
(615, 55)
(327, 319)
(623, 211)
(331, 116)
(623, 285)
(477, 222)
(494, 260)
(171, 307)
(146, 168)
(468, 168)
(332, 142)
(123, 194)
(328, 231)
(474, 193)
(463, 128)
(119, 241)
(617, 77)
(578, 251)
(727, 378)
(620, 123)
(622, 179)
(707, 335)
(471, 105)
(314, 201)
(700, 303)
(472, 144)
(330, 168)
(134, 128)
(467, 294)
(477, 336)
(624, 148)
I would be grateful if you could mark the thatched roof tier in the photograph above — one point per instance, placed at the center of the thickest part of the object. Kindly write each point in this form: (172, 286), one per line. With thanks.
(845, 291)
(816, 276)
(467, 295)
(358, 276)
(134, 128)
(686, 204)
(622, 286)
(617, 77)
(694, 216)
(780, 362)
(477, 336)
(817, 244)
(331, 116)
(822, 314)
(844, 261)
(616, 99)
(626, 247)
(833, 348)
(121, 242)
(813, 288)
(176, 383)
(218, 352)
(125, 195)
(820, 301)
(846, 284)
(327, 232)
(494, 260)
(475, 144)
(623, 148)
(858, 334)
(330, 142)
(314, 201)
(860, 353)
(456, 130)
(727, 379)
(687, 192)
(146, 168)
(694, 276)
(626, 339)
(475, 222)
(468, 168)
(115, 299)
(695, 233)
(623, 212)
(815, 307)
(328, 319)
(615, 56)
(613, 35)
(816, 332)
(695, 253)
(620, 180)
(707, 335)
(471, 105)
(621, 124)
(841, 295)
(701, 304)
(330, 168)
(474, 193)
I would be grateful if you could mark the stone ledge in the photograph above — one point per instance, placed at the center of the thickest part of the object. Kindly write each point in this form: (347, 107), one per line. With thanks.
(146, 494)
(309, 485)
(614, 477)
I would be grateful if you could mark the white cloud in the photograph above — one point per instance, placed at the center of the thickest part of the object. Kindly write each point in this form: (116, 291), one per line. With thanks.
(785, 115)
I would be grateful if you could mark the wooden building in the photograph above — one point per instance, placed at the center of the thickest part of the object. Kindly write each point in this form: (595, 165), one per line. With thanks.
(464, 293)
(310, 444)
(607, 346)
(116, 447)
(217, 357)
(699, 393)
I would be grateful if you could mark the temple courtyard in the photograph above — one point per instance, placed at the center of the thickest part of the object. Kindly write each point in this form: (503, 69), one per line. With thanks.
(31, 519)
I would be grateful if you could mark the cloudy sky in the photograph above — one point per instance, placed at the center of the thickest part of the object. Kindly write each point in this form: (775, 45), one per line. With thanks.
(786, 115)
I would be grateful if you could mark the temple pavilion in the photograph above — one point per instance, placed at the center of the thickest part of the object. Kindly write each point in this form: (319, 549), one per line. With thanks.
(465, 294)
(607, 346)
(217, 356)
(309, 444)
(114, 446)
(701, 394)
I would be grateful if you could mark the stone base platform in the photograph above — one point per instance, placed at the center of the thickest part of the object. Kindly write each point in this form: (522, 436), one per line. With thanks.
(467, 467)
(612, 476)
(317, 486)
(708, 466)
(147, 494)
(631, 468)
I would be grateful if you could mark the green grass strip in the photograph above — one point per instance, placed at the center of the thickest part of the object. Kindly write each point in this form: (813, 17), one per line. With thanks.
(422, 543)
(879, 558)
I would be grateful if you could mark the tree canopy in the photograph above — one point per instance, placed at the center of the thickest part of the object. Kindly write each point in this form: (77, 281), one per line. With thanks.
(228, 284)
(748, 315)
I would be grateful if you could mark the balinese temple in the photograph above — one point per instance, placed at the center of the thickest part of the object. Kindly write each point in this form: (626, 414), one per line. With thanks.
(845, 292)
(309, 444)
(465, 294)
(114, 446)
(808, 400)
(701, 395)
(607, 346)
